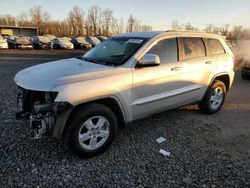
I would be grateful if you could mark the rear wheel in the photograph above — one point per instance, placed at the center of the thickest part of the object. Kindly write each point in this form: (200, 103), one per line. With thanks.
(214, 98)
(91, 131)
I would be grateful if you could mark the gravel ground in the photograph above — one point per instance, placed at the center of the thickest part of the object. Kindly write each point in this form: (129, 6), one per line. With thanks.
(206, 151)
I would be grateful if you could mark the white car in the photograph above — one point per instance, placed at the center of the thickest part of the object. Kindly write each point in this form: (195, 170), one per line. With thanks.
(62, 43)
(93, 41)
(3, 43)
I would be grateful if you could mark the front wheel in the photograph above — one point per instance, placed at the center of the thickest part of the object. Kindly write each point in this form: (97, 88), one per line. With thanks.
(214, 98)
(91, 131)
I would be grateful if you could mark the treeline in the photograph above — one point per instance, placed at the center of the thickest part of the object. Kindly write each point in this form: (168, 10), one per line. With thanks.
(95, 21)
(231, 32)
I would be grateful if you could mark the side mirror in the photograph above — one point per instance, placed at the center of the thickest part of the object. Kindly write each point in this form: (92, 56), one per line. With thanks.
(150, 60)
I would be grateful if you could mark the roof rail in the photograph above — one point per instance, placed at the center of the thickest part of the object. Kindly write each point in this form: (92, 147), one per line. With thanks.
(195, 31)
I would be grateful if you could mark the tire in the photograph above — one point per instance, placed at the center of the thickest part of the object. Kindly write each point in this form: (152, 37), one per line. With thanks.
(214, 98)
(96, 125)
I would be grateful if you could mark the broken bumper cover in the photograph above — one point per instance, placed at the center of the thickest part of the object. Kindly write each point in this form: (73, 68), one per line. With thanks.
(56, 107)
(46, 118)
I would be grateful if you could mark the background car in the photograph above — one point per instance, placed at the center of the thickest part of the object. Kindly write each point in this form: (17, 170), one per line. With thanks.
(62, 43)
(81, 43)
(102, 38)
(51, 37)
(23, 43)
(41, 42)
(3, 43)
(93, 41)
(245, 72)
(12, 42)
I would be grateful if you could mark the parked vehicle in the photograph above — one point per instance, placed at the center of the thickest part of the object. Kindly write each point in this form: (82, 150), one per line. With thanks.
(23, 43)
(12, 42)
(62, 43)
(245, 72)
(130, 76)
(41, 42)
(51, 37)
(81, 43)
(3, 43)
(102, 38)
(93, 41)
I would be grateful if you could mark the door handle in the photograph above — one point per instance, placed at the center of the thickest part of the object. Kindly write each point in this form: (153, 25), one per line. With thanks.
(176, 68)
(208, 62)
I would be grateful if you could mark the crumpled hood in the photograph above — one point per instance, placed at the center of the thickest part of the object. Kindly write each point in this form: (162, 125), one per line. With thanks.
(46, 76)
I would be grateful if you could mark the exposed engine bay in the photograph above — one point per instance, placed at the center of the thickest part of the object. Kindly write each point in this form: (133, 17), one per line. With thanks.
(41, 110)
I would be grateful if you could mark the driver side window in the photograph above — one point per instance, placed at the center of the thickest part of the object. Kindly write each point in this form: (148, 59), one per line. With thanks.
(166, 49)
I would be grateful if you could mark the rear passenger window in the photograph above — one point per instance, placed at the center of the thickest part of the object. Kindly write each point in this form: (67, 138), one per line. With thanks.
(215, 47)
(166, 49)
(191, 48)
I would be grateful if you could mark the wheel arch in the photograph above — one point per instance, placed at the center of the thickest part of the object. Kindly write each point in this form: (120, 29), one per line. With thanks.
(111, 102)
(224, 77)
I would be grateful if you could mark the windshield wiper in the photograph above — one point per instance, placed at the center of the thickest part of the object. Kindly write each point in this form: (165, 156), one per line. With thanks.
(98, 61)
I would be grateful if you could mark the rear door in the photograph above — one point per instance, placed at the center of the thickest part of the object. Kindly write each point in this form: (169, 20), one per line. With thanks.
(198, 67)
(217, 52)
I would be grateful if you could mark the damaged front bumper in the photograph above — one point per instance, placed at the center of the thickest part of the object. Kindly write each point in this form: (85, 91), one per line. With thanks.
(46, 117)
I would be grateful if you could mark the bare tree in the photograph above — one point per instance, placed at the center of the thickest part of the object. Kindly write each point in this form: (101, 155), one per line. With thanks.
(237, 32)
(188, 26)
(96, 22)
(146, 28)
(23, 19)
(176, 25)
(121, 25)
(93, 19)
(107, 16)
(211, 28)
(224, 29)
(76, 21)
(39, 18)
(131, 23)
(114, 27)
(8, 20)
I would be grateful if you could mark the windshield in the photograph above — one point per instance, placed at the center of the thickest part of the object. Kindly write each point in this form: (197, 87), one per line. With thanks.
(115, 51)
(44, 39)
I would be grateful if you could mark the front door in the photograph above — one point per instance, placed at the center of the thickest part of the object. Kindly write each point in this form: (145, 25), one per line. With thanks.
(157, 88)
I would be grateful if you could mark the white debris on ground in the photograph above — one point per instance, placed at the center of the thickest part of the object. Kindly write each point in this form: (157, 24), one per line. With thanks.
(164, 152)
(160, 140)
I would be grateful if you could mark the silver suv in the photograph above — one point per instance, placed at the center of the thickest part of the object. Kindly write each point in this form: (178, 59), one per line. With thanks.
(129, 76)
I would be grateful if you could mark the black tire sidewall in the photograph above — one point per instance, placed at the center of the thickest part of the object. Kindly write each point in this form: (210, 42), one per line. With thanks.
(84, 114)
(205, 105)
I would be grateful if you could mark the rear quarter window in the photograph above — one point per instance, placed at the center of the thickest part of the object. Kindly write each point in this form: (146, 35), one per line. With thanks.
(214, 47)
(191, 47)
